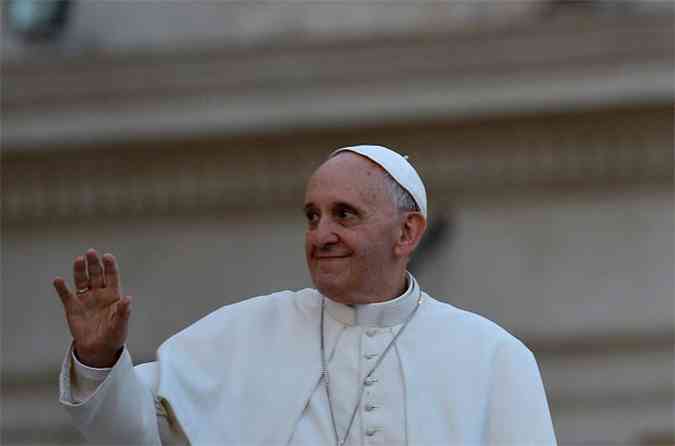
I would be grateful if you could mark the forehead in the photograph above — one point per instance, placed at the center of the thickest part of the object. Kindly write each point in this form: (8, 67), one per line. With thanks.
(348, 177)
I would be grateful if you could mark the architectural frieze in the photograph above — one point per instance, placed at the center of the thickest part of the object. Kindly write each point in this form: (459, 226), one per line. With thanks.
(597, 149)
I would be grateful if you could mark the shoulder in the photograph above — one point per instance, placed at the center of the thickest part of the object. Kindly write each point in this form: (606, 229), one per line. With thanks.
(266, 311)
(268, 305)
(470, 328)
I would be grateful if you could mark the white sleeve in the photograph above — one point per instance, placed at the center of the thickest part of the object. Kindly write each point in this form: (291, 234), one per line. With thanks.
(84, 380)
(518, 411)
(120, 410)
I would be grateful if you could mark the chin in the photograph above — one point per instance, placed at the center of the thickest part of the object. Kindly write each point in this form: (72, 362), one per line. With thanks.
(331, 287)
(328, 287)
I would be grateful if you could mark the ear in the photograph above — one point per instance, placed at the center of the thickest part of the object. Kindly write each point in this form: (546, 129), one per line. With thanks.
(412, 228)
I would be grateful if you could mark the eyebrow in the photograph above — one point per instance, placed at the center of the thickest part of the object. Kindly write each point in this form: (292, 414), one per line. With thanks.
(343, 204)
(346, 205)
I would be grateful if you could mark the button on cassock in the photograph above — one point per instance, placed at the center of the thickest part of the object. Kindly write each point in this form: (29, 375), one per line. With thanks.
(371, 333)
(370, 432)
(370, 381)
(370, 407)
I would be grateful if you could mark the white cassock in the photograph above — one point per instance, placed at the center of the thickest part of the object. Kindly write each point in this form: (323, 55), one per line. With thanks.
(249, 374)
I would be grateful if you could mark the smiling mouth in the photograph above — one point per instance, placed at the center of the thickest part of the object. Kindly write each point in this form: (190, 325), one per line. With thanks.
(330, 257)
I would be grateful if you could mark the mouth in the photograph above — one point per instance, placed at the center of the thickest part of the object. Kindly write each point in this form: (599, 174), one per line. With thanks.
(330, 257)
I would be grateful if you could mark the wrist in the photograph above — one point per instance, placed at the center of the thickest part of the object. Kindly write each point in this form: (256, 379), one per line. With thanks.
(97, 359)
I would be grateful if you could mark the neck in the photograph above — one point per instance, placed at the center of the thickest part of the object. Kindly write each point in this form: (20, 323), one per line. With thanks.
(381, 293)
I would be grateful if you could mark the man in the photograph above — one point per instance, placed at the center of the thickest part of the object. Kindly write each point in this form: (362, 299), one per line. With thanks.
(365, 358)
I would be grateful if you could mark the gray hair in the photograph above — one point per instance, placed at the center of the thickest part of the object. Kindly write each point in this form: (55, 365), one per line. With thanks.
(402, 199)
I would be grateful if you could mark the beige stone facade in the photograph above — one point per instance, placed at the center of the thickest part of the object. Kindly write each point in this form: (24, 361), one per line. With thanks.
(181, 142)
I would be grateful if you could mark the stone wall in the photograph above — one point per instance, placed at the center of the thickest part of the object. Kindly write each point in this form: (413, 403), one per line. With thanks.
(545, 139)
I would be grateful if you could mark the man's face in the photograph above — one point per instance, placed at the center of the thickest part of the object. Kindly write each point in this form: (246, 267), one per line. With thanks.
(352, 227)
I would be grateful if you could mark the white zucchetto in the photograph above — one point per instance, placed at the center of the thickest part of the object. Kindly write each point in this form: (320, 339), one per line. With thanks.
(398, 167)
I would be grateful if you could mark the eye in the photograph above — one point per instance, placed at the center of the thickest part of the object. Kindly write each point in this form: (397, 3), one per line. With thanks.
(312, 216)
(344, 213)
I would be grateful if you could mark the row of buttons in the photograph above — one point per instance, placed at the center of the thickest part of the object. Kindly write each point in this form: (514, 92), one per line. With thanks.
(369, 381)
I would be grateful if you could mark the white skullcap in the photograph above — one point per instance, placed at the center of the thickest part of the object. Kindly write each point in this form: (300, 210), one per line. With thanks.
(398, 167)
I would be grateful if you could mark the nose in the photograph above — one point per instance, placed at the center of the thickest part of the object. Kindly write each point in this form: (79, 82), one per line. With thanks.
(323, 234)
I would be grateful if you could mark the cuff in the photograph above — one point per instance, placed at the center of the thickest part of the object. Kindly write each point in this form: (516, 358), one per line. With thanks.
(79, 382)
(90, 373)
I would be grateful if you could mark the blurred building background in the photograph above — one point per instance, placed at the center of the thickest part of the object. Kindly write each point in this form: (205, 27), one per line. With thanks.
(178, 135)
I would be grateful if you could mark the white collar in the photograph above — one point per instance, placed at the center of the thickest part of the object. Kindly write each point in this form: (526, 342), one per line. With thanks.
(382, 314)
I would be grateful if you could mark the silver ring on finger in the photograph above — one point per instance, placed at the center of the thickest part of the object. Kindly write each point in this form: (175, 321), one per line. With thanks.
(82, 291)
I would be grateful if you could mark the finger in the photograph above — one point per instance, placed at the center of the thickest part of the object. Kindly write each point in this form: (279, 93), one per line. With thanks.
(95, 270)
(80, 274)
(67, 297)
(123, 310)
(126, 306)
(112, 277)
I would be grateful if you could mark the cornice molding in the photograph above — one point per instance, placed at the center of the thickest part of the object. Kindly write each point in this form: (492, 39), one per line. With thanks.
(575, 63)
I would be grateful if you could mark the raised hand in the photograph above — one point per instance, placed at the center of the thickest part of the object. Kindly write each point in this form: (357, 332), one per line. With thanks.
(97, 312)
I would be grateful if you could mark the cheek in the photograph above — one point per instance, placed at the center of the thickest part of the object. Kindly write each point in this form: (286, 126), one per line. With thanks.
(308, 245)
(377, 248)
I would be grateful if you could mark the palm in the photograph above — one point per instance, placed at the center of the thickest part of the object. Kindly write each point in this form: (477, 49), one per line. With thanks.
(98, 314)
(96, 320)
